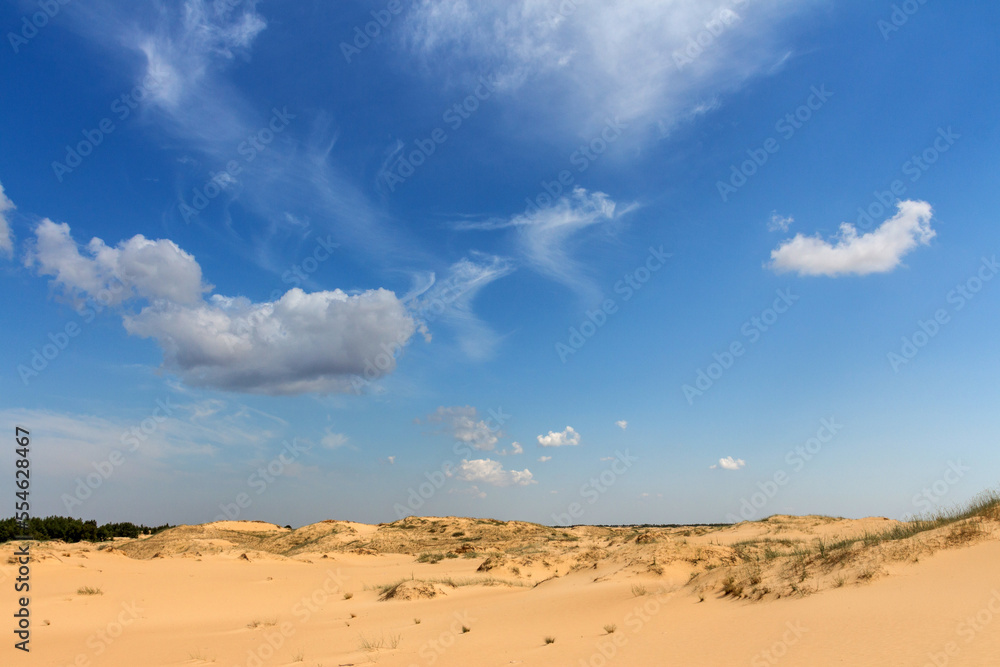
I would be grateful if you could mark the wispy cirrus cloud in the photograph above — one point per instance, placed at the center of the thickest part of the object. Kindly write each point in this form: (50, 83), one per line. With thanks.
(597, 59)
(6, 235)
(546, 236)
(450, 300)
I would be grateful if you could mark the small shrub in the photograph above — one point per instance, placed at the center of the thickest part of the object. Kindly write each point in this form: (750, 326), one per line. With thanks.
(610, 628)
(550, 640)
(416, 621)
(465, 629)
(89, 590)
(638, 590)
(348, 596)
(430, 558)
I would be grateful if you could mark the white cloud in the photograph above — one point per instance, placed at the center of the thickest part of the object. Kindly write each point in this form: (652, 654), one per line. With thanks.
(450, 300)
(569, 437)
(646, 61)
(302, 342)
(779, 223)
(729, 463)
(391, 460)
(463, 425)
(136, 268)
(622, 424)
(544, 235)
(492, 472)
(543, 459)
(6, 236)
(878, 251)
(206, 35)
(332, 440)
(470, 491)
(515, 448)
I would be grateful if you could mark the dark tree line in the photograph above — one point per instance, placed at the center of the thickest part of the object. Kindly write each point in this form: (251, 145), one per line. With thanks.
(72, 530)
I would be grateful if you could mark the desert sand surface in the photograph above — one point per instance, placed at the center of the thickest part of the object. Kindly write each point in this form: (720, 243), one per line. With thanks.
(457, 591)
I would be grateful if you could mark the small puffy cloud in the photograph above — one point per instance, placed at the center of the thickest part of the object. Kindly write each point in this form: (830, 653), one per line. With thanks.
(302, 342)
(729, 463)
(391, 460)
(878, 251)
(515, 448)
(6, 236)
(622, 424)
(463, 425)
(543, 459)
(779, 223)
(567, 438)
(332, 440)
(488, 471)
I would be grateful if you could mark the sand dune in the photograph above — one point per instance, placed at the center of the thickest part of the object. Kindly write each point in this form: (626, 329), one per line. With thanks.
(458, 591)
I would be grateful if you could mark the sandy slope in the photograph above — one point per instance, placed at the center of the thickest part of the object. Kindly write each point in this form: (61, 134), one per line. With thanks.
(189, 596)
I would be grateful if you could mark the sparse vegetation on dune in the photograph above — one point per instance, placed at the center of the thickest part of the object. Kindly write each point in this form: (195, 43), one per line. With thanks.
(779, 567)
(772, 558)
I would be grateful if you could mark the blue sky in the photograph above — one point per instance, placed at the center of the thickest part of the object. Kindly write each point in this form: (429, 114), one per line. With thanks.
(558, 258)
